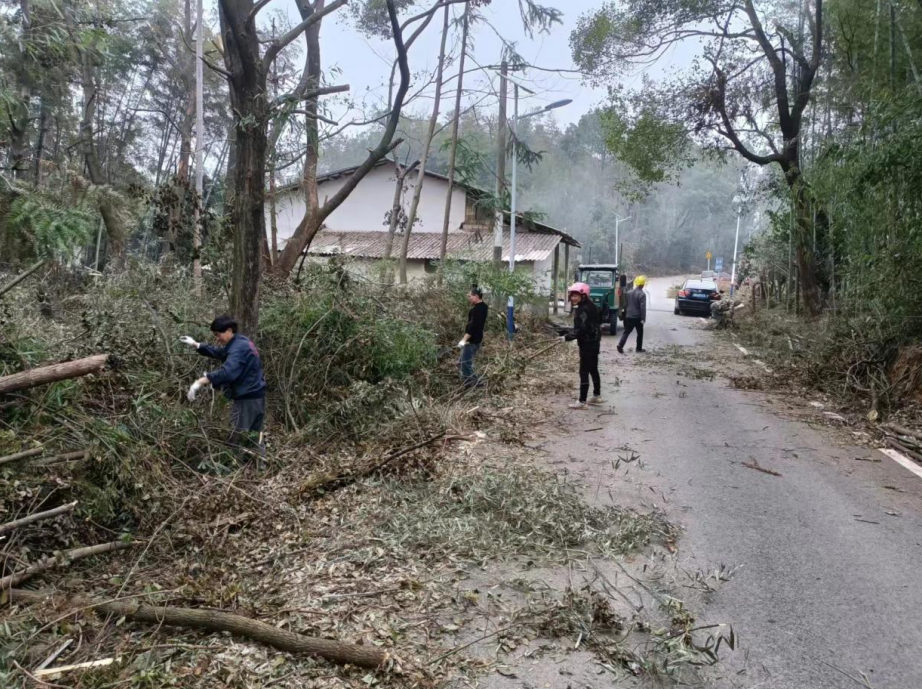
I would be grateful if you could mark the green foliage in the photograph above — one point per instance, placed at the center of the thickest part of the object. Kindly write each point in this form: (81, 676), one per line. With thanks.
(652, 145)
(55, 229)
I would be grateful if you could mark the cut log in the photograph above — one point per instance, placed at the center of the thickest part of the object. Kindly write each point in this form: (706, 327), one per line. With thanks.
(19, 278)
(25, 454)
(52, 374)
(37, 517)
(53, 561)
(216, 621)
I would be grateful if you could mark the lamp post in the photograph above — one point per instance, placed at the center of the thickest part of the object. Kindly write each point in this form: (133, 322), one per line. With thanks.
(510, 306)
(738, 200)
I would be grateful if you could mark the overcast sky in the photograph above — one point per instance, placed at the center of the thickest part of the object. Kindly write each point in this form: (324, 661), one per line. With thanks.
(365, 63)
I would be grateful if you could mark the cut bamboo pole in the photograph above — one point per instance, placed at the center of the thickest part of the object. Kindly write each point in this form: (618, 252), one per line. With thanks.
(53, 561)
(37, 517)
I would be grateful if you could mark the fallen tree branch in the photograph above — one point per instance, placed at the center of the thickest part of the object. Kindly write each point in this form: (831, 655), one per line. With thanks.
(897, 445)
(755, 465)
(37, 517)
(217, 621)
(25, 454)
(53, 561)
(902, 430)
(329, 482)
(52, 374)
(19, 278)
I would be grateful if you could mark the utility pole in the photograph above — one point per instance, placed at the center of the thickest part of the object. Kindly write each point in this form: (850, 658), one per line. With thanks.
(500, 168)
(199, 151)
(736, 242)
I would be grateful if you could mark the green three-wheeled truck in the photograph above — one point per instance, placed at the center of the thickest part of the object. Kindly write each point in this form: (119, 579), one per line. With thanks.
(607, 288)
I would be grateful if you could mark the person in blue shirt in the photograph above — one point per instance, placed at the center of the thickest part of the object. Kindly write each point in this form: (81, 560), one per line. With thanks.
(240, 377)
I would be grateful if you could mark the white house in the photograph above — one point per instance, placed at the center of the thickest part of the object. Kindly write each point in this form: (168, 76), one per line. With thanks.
(359, 227)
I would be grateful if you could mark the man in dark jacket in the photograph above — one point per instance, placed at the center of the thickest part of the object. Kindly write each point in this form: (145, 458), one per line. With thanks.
(636, 314)
(473, 336)
(587, 331)
(240, 377)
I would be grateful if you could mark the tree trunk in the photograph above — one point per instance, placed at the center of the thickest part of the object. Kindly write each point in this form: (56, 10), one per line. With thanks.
(397, 206)
(231, 168)
(115, 232)
(501, 126)
(248, 96)
(312, 69)
(188, 82)
(430, 134)
(44, 115)
(367, 656)
(51, 374)
(456, 123)
(19, 119)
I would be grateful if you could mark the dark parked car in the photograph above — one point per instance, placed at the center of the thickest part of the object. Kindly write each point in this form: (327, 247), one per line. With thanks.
(696, 296)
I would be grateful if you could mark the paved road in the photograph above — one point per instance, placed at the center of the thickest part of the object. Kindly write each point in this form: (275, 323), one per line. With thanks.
(831, 554)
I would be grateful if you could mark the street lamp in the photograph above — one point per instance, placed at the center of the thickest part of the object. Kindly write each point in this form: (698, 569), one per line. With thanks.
(510, 307)
(738, 200)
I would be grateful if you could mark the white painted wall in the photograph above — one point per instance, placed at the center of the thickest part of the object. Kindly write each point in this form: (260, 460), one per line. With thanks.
(365, 208)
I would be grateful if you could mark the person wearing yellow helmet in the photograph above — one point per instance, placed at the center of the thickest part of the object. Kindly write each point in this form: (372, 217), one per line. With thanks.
(636, 314)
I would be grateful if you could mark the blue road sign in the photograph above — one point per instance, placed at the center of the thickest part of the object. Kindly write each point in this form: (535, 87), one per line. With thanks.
(719, 264)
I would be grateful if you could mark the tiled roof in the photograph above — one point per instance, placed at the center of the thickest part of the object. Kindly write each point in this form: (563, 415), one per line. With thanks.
(428, 245)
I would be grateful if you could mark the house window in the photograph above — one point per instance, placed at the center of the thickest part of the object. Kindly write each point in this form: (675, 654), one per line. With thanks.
(431, 266)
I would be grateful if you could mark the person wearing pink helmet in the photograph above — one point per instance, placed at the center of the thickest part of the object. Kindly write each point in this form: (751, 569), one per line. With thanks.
(587, 331)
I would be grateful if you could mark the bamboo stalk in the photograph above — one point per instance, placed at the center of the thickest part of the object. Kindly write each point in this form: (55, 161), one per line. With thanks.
(53, 561)
(25, 454)
(37, 517)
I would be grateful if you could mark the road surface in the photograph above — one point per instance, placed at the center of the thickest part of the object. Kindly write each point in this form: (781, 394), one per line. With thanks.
(830, 551)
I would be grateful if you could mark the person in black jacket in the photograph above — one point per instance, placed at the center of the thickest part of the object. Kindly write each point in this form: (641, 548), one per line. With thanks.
(240, 377)
(473, 336)
(587, 331)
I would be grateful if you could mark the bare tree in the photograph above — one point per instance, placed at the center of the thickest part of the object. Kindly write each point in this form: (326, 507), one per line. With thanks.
(424, 156)
(456, 122)
(315, 213)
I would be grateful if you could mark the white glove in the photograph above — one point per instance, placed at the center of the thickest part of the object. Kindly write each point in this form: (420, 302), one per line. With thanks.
(462, 344)
(193, 391)
(186, 340)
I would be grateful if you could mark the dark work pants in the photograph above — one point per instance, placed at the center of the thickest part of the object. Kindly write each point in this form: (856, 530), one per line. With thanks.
(247, 417)
(589, 368)
(631, 324)
(466, 364)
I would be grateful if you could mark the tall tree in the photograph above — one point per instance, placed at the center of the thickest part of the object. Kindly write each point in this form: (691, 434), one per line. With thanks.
(749, 91)
(81, 49)
(247, 68)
